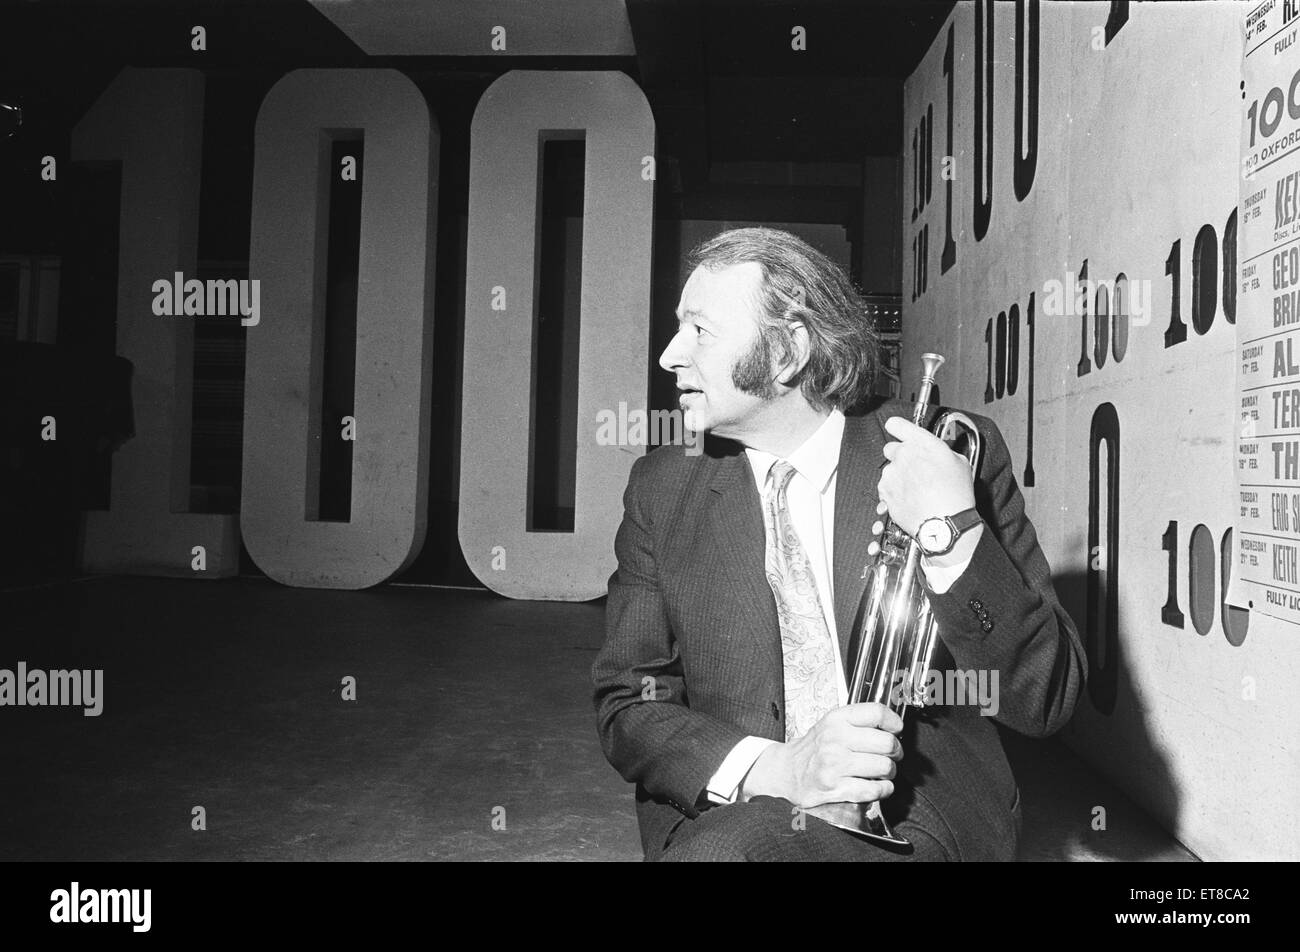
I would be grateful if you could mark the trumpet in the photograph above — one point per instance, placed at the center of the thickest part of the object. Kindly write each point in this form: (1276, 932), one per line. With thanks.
(895, 630)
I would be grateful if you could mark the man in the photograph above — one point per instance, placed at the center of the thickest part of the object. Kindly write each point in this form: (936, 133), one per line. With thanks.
(720, 689)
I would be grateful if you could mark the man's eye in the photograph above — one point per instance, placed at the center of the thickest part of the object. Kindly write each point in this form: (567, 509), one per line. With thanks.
(698, 329)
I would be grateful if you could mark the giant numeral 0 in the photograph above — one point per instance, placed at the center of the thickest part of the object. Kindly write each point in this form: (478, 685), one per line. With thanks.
(152, 122)
(982, 130)
(285, 351)
(1101, 634)
(1026, 155)
(516, 114)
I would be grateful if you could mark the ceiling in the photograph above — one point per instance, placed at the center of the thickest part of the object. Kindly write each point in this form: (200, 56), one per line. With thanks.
(742, 118)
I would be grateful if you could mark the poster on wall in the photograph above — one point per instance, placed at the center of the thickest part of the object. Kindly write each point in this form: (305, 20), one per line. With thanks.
(1266, 576)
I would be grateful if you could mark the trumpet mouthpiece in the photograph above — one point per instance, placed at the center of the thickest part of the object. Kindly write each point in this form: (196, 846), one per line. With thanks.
(930, 364)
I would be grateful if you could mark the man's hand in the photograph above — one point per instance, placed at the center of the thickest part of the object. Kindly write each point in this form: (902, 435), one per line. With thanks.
(848, 756)
(924, 476)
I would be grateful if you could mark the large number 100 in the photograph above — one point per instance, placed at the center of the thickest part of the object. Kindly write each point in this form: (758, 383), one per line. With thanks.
(151, 121)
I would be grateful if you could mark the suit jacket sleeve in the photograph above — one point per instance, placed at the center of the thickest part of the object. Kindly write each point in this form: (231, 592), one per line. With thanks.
(1002, 614)
(648, 732)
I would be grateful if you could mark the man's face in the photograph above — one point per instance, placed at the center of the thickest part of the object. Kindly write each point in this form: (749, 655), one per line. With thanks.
(724, 374)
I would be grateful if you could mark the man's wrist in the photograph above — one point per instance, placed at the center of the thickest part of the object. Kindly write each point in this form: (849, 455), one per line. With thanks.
(961, 551)
(767, 777)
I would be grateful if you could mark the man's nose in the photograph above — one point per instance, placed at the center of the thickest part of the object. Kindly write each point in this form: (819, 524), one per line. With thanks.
(674, 356)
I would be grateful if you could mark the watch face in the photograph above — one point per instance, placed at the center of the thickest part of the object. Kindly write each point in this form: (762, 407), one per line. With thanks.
(934, 535)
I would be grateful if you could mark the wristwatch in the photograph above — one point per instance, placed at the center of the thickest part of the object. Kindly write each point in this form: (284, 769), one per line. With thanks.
(938, 534)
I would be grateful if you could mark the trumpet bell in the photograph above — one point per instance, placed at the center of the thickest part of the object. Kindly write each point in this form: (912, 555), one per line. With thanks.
(861, 819)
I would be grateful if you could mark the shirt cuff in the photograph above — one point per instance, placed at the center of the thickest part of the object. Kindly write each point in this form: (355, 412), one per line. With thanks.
(941, 579)
(725, 782)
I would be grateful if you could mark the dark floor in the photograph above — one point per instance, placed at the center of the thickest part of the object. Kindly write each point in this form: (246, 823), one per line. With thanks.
(469, 708)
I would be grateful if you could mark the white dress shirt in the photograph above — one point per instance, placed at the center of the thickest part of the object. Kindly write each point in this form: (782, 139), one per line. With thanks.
(811, 500)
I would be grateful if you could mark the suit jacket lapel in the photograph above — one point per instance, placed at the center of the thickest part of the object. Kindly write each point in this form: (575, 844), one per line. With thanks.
(736, 523)
(740, 545)
(855, 510)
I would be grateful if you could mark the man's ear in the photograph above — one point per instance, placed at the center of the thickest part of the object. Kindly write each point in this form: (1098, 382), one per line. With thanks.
(798, 347)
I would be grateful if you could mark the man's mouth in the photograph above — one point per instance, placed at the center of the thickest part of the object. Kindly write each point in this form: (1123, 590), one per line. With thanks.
(687, 392)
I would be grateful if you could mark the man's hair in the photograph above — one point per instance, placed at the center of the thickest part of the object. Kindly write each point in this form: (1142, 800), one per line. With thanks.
(799, 283)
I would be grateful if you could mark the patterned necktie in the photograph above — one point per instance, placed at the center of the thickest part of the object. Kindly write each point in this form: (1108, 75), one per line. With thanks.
(809, 656)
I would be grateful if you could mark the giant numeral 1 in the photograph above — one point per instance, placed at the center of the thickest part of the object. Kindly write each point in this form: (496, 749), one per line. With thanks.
(151, 120)
(1030, 326)
(516, 114)
(394, 328)
(948, 257)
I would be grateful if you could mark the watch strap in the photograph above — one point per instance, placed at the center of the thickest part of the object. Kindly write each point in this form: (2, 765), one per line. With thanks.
(966, 519)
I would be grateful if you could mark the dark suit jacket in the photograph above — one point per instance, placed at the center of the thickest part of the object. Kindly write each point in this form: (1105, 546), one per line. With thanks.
(690, 607)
